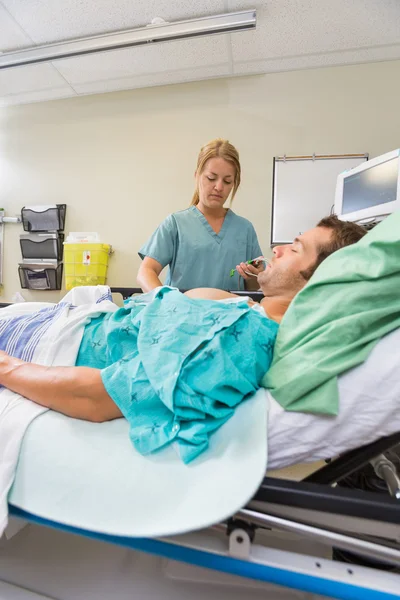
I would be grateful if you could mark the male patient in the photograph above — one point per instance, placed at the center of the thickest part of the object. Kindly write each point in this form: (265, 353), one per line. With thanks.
(293, 264)
(82, 392)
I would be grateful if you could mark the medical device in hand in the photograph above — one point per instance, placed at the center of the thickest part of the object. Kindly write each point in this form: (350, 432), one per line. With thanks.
(253, 261)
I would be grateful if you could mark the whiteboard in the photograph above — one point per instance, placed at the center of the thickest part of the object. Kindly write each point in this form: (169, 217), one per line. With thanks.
(304, 192)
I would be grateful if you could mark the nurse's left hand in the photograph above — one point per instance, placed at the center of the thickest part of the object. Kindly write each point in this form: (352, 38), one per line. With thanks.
(244, 270)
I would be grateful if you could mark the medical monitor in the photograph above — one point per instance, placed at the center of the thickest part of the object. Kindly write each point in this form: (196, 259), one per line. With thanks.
(370, 190)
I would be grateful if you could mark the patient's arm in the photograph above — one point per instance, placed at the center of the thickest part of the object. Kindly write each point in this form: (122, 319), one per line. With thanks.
(74, 391)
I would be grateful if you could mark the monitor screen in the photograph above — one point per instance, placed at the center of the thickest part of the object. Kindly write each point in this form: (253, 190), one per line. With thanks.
(371, 187)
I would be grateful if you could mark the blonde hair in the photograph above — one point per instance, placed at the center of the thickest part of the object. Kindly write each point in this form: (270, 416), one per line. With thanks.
(218, 148)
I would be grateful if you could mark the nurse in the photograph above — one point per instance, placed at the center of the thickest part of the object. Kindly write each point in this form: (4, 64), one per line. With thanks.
(205, 243)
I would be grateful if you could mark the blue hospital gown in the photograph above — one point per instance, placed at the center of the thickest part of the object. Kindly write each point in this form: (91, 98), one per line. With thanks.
(177, 367)
(199, 257)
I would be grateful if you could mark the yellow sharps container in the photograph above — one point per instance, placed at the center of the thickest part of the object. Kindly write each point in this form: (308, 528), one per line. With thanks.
(85, 259)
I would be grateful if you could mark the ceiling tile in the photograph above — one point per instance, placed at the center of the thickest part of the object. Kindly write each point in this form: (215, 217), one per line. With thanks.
(12, 36)
(156, 58)
(154, 79)
(38, 96)
(30, 79)
(293, 63)
(293, 28)
(53, 20)
(290, 35)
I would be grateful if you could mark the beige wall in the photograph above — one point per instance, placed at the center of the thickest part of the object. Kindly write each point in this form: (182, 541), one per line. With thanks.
(123, 161)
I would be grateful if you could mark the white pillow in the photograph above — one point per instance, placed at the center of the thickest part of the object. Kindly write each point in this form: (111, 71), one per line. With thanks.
(369, 409)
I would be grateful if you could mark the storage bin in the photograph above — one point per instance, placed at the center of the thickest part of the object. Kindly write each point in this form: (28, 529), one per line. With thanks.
(42, 245)
(44, 217)
(36, 276)
(85, 262)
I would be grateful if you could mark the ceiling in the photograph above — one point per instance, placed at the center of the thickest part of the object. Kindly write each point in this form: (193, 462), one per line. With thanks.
(290, 35)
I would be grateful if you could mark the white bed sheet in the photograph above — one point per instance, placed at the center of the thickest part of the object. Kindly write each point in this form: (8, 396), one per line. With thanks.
(369, 409)
(88, 476)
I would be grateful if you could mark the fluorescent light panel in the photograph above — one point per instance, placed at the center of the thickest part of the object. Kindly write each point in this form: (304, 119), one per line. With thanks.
(180, 30)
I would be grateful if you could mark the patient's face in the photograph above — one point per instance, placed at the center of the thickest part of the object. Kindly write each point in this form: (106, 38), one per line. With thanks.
(283, 277)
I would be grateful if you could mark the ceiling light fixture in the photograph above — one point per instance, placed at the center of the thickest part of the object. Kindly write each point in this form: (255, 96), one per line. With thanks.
(159, 32)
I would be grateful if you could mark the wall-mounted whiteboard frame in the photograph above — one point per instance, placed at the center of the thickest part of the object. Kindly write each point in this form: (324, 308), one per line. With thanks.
(303, 191)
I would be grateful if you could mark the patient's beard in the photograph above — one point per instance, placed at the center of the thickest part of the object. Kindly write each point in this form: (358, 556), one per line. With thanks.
(281, 283)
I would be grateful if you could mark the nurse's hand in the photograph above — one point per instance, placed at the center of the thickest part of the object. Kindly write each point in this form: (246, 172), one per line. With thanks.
(250, 271)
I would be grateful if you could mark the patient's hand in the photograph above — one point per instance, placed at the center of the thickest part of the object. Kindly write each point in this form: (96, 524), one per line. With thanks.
(8, 362)
(209, 294)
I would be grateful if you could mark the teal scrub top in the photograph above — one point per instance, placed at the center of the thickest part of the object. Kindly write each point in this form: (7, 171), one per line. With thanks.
(199, 257)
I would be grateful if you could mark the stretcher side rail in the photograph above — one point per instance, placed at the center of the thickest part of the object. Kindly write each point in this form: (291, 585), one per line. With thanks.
(322, 498)
(353, 460)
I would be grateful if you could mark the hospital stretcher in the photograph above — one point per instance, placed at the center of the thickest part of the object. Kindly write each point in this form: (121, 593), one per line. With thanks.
(366, 524)
(316, 513)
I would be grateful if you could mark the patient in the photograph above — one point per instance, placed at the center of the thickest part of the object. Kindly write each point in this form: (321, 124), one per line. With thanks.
(173, 366)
